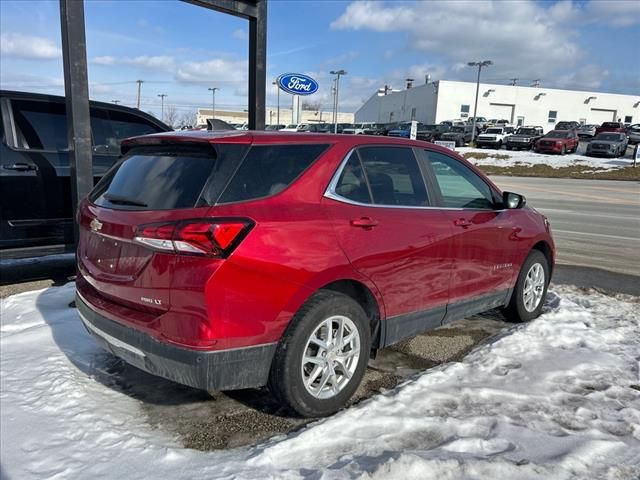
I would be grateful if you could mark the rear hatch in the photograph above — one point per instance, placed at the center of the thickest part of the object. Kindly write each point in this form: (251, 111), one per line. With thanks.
(131, 219)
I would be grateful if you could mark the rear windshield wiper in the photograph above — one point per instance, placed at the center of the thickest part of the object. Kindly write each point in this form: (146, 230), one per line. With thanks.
(123, 200)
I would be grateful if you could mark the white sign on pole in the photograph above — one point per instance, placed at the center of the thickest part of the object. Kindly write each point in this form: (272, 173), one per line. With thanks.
(414, 130)
(449, 145)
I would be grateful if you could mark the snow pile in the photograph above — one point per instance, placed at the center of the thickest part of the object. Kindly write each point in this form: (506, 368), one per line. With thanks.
(557, 398)
(528, 158)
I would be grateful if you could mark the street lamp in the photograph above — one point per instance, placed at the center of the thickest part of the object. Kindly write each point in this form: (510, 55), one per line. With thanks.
(162, 95)
(337, 73)
(278, 114)
(213, 101)
(484, 63)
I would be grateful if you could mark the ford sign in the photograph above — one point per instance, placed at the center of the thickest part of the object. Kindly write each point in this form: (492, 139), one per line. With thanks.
(297, 84)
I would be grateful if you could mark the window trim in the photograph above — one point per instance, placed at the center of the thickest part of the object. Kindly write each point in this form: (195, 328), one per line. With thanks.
(330, 191)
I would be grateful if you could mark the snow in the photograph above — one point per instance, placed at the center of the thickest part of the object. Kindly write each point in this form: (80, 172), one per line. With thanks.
(556, 398)
(530, 158)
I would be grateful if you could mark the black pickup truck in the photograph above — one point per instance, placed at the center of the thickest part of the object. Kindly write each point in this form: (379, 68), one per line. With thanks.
(35, 204)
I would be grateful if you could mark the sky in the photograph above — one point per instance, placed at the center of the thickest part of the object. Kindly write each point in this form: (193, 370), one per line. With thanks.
(181, 50)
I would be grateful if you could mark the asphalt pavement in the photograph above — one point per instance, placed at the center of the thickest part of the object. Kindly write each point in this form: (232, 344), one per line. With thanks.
(595, 223)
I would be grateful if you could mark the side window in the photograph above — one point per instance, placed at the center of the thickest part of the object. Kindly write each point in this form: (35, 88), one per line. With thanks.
(352, 185)
(40, 125)
(394, 176)
(269, 169)
(460, 186)
(553, 115)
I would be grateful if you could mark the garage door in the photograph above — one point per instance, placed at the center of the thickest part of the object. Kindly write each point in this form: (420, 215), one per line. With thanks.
(500, 111)
(598, 116)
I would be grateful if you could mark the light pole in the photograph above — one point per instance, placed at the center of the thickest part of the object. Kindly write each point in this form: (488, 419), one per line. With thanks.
(139, 82)
(337, 73)
(278, 104)
(213, 101)
(484, 63)
(162, 95)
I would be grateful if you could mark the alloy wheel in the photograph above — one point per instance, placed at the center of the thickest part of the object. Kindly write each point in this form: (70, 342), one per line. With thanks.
(534, 284)
(330, 357)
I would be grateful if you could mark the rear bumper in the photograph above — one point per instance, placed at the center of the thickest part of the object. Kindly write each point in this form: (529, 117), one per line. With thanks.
(207, 370)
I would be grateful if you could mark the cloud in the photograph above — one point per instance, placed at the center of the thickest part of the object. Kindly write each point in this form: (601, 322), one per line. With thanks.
(150, 62)
(28, 46)
(210, 71)
(520, 37)
(618, 13)
(240, 34)
(588, 77)
(104, 60)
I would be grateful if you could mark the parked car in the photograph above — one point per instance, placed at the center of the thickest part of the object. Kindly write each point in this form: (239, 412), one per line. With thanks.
(35, 204)
(376, 129)
(611, 127)
(608, 144)
(342, 126)
(404, 130)
(586, 131)
(633, 133)
(524, 138)
(481, 123)
(567, 125)
(493, 137)
(274, 128)
(358, 128)
(292, 127)
(558, 141)
(269, 260)
(431, 133)
(313, 128)
(497, 122)
(459, 134)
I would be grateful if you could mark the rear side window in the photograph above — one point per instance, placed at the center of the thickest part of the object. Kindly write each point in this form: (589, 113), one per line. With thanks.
(156, 180)
(352, 185)
(269, 169)
(394, 176)
(40, 125)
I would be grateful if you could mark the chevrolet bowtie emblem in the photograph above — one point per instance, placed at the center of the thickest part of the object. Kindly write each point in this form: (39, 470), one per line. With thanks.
(95, 225)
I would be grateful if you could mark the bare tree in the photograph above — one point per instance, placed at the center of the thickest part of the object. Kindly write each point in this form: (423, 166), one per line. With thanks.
(171, 116)
(188, 119)
(311, 106)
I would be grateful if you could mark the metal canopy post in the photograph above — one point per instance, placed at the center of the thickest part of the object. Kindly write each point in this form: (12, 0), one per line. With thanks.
(76, 89)
(256, 12)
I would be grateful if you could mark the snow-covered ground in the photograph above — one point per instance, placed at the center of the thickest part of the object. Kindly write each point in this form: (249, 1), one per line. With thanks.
(554, 399)
(529, 158)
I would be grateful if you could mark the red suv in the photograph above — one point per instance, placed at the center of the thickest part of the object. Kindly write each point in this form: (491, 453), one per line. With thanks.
(236, 260)
(558, 141)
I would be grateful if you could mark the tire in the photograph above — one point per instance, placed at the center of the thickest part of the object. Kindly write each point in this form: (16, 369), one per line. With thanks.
(288, 371)
(520, 309)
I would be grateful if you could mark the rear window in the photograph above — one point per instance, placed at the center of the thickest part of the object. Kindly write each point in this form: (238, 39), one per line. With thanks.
(269, 169)
(156, 180)
(611, 125)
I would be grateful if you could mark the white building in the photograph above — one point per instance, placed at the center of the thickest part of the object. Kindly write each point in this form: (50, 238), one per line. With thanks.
(447, 100)
(307, 116)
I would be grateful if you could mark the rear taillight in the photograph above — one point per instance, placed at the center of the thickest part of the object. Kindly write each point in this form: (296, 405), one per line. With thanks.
(209, 237)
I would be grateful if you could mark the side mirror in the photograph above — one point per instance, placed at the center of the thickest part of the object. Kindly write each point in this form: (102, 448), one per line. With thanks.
(512, 200)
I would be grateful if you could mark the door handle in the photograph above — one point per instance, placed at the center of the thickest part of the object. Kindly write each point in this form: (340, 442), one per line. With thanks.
(20, 167)
(462, 222)
(364, 222)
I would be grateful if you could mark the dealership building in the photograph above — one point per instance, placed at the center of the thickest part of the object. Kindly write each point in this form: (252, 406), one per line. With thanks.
(434, 102)
(285, 115)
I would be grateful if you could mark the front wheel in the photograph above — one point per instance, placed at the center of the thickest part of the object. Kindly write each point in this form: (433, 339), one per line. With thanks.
(530, 290)
(323, 355)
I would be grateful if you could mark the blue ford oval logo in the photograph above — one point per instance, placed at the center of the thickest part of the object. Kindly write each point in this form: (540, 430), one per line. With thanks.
(297, 84)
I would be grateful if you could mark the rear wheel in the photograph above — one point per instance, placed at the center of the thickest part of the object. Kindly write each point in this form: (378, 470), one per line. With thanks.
(322, 357)
(530, 290)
